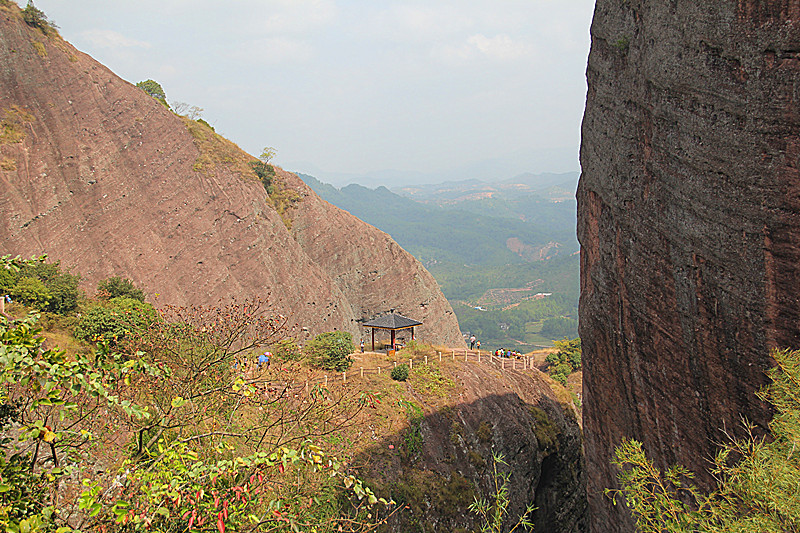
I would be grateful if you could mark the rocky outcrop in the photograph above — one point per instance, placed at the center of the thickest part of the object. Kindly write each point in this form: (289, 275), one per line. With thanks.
(688, 222)
(488, 411)
(101, 176)
(370, 269)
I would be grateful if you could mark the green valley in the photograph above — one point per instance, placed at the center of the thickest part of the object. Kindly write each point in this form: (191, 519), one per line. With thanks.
(504, 254)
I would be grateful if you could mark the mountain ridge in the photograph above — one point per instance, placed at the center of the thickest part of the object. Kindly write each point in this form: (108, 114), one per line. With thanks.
(106, 179)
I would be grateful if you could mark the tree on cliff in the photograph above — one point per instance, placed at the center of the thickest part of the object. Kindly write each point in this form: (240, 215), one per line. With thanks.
(35, 17)
(758, 477)
(154, 89)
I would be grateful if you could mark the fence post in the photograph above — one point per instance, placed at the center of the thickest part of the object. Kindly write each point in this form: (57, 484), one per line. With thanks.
(454, 355)
(326, 381)
(411, 364)
(502, 363)
(514, 363)
(466, 354)
(426, 359)
(395, 363)
(479, 356)
(362, 371)
(379, 370)
(440, 357)
(344, 377)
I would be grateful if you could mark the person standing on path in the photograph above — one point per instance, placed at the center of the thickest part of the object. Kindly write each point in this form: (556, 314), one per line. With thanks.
(362, 345)
(472, 342)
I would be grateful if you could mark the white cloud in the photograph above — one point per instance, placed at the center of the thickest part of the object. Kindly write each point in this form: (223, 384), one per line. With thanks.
(500, 48)
(298, 16)
(111, 39)
(274, 50)
(413, 23)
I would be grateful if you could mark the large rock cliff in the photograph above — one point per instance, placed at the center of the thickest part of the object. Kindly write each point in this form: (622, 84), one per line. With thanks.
(101, 176)
(482, 411)
(688, 221)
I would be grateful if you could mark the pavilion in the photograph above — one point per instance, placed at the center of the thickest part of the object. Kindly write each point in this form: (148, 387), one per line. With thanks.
(393, 322)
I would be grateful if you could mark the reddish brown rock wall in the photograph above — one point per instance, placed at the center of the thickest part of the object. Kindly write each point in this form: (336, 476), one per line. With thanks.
(105, 180)
(370, 269)
(688, 221)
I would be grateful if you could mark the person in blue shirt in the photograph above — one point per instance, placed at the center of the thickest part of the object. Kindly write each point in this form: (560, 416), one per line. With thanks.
(263, 359)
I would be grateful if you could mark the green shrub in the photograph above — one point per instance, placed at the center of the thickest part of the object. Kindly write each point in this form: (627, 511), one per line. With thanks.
(115, 321)
(400, 372)
(331, 350)
(32, 292)
(61, 286)
(265, 172)
(288, 350)
(565, 361)
(7, 281)
(115, 287)
(206, 124)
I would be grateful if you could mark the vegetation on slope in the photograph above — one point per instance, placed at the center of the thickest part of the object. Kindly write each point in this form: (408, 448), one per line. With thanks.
(758, 477)
(161, 420)
(167, 428)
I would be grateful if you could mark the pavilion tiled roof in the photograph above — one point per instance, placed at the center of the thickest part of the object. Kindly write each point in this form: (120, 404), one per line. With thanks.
(392, 321)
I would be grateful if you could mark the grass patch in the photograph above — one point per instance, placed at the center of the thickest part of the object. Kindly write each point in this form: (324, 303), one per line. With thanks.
(485, 432)
(40, 49)
(424, 490)
(413, 436)
(455, 433)
(8, 164)
(283, 200)
(544, 429)
(429, 379)
(11, 125)
(476, 460)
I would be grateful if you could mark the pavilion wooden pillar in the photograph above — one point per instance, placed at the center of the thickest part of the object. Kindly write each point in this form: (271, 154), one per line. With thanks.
(392, 338)
(373, 339)
(412, 334)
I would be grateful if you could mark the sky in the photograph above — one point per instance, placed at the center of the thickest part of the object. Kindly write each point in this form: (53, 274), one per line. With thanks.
(377, 92)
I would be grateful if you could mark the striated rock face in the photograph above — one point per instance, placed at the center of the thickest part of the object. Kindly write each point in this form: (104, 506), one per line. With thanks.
(688, 221)
(104, 178)
(370, 269)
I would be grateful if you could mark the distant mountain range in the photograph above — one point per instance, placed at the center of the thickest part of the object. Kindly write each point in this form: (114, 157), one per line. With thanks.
(547, 186)
(467, 223)
(496, 245)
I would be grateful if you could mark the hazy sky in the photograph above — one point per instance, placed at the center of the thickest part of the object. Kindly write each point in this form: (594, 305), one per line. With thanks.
(356, 86)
